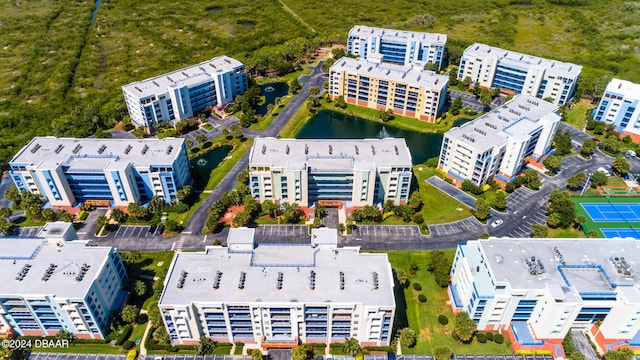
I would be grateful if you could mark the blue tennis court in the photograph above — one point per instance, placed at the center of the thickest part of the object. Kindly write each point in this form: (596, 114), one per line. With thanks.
(622, 233)
(613, 212)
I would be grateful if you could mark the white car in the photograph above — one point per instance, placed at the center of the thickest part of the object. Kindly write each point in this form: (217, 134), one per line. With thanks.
(497, 223)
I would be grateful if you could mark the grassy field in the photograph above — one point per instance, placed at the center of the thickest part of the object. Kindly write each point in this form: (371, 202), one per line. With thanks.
(576, 116)
(447, 210)
(423, 317)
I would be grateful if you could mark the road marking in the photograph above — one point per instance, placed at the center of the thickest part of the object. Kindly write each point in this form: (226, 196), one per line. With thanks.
(173, 246)
(205, 239)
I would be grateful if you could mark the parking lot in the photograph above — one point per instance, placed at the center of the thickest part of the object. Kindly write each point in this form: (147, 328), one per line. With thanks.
(518, 199)
(525, 221)
(577, 136)
(139, 231)
(365, 231)
(468, 100)
(60, 356)
(282, 234)
(502, 357)
(469, 225)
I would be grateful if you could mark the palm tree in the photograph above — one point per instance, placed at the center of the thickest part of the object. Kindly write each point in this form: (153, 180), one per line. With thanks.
(352, 346)
(101, 222)
(201, 138)
(225, 133)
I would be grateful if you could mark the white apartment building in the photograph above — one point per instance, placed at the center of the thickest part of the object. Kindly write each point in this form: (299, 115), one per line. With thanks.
(498, 143)
(55, 282)
(405, 48)
(537, 290)
(620, 105)
(516, 73)
(183, 93)
(279, 293)
(356, 172)
(408, 91)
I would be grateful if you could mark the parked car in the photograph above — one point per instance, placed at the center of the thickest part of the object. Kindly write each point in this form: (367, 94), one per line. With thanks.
(497, 223)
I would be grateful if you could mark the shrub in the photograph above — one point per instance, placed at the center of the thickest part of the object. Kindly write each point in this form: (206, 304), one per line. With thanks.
(82, 216)
(498, 338)
(443, 319)
(422, 298)
(490, 336)
(123, 334)
(417, 286)
(481, 337)
(128, 345)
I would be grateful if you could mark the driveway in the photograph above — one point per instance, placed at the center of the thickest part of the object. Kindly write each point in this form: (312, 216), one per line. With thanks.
(582, 345)
(5, 184)
(468, 100)
(577, 136)
(452, 191)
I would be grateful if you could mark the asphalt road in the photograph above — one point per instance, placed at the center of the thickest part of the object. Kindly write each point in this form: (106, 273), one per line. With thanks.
(5, 184)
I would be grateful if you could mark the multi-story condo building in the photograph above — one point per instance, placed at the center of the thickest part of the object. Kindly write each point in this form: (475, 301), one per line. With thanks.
(305, 171)
(183, 93)
(499, 143)
(279, 293)
(516, 73)
(68, 171)
(412, 92)
(620, 105)
(405, 48)
(538, 290)
(55, 282)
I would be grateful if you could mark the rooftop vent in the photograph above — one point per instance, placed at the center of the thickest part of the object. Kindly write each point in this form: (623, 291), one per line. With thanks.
(375, 280)
(216, 281)
(49, 272)
(264, 149)
(534, 265)
(280, 279)
(77, 149)
(137, 88)
(436, 82)
(373, 149)
(170, 79)
(558, 255)
(183, 277)
(312, 280)
(102, 148)
(330, 150)
(286, 150)
(201, 68)
(59, 148)
(35, 148)
(420, 76)
(388, 72)
(155, 83)
(25, 269)
(341, 280)
(213, 66)
(306, 149)
(243, 277)
(127, 149)
(357, 151)
(144, 149)
(169, 149)
(185, 74)
(395, 147)
(621, 265)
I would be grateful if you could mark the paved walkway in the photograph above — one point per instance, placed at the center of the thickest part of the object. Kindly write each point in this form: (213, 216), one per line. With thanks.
(581, 344)
(452, 191)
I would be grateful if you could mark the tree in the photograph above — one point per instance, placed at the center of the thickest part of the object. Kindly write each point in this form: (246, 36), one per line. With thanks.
(576, 181)
(314, 91)
(442, 352)
(6, 227)
(562, 142)
(500, 201)
(539, 231)
(101, 222)
(464, 327)
(620, 354)
(467, 81)
(408, 337)
(456, 105)
(270, 208)
(579, 221)
(554, 220)
(201, 138)
(257, 355)
(139, 288)
(189, 143)
(137, 211)
(340, 103)
(294, 86)
(415, 201)
(131, 257)
(13, 195)
(270, 108)
(302, 352)
(118, 215)
(63, 215)
(385, 115)
(610, 144)
(225, 133)
(560, 203)
(154, 315)
(129, 314)
(184, 193)
(206, 346)
(532, 179)
(588, 146)
(291, 213)
(599, 179)
(621, 165)
(552, 163)
(352, 346)
(482, 209)
(64, 335)
(593, 234)
(402, 277)
(5, 212)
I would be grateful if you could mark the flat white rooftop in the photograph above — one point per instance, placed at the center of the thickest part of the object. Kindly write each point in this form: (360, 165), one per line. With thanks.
(572, 265)
(515, 118)
(192, 75)
(520, 60)
(49, 152)
(403, 35)
(341, 154)
(625, 88)
(33, 258)
(396, 73)
(293, 264)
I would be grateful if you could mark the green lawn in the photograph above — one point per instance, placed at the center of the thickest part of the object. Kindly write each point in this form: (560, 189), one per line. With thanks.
(423, 317)
(447, 208)
(576, 116)
(566, 233)
(296, 122)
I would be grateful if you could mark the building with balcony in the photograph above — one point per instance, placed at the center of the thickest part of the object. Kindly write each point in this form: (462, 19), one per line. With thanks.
(412, 92)
(405, 48)
(537, 290)
(183, 93)
(114, 172)
(355, 172)
(516, 73)
(499, 143)
(55, 282)
(620, 106)
(276, 295)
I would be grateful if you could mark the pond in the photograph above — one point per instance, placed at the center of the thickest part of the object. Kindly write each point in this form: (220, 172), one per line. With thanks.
(270, 92)
(330, 124)
(201, 166)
